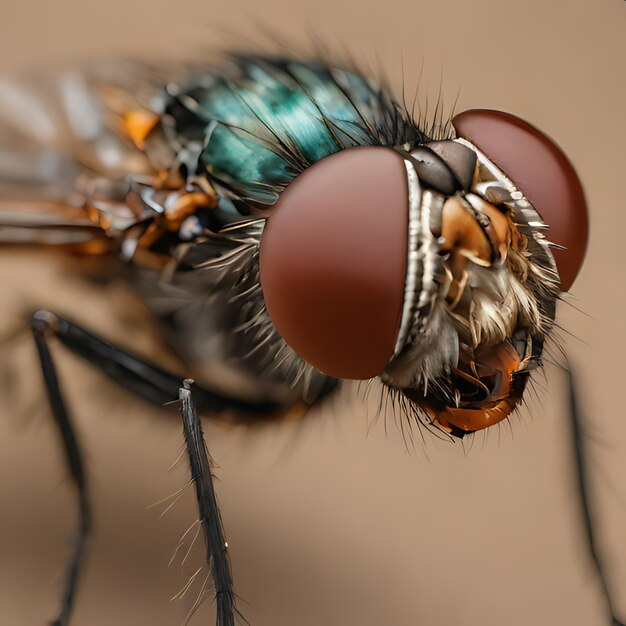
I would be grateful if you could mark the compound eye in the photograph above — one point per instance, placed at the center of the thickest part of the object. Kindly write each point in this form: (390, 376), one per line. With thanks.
(333, 261)
(542, 172)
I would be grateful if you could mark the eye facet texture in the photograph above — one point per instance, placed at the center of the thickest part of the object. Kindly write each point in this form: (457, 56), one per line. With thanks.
(542, 172)
(333, 261)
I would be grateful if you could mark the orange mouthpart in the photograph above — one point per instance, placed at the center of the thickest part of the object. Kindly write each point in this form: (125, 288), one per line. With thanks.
(492, 374)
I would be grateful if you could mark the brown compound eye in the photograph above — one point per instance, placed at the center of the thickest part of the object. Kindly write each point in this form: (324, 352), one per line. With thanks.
(542, 172)
(333, 261)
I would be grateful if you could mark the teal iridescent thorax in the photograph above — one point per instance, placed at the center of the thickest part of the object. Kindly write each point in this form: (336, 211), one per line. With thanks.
(262, 121)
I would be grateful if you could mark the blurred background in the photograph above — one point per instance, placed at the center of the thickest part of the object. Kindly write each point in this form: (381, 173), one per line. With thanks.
(331, 522)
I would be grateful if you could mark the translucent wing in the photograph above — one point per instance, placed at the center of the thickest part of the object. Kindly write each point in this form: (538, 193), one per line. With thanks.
(64, 141)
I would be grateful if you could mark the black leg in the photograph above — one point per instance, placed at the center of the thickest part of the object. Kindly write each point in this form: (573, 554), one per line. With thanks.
(581, 455)
(208, 510)
(75, 465)
(137, 374)
(159, 386)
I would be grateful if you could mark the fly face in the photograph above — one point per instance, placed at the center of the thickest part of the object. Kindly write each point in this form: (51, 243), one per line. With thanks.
(491, 300)
(427, 267)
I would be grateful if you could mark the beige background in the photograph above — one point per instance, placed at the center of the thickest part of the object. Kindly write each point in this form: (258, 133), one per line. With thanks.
(330, 525)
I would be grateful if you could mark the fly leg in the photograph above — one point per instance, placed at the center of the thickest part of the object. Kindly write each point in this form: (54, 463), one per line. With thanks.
(75, 465)
(581, 455)
(159, 386)
(208, 509)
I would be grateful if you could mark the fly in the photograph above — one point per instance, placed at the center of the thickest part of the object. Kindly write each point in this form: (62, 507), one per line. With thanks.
(293, 226)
